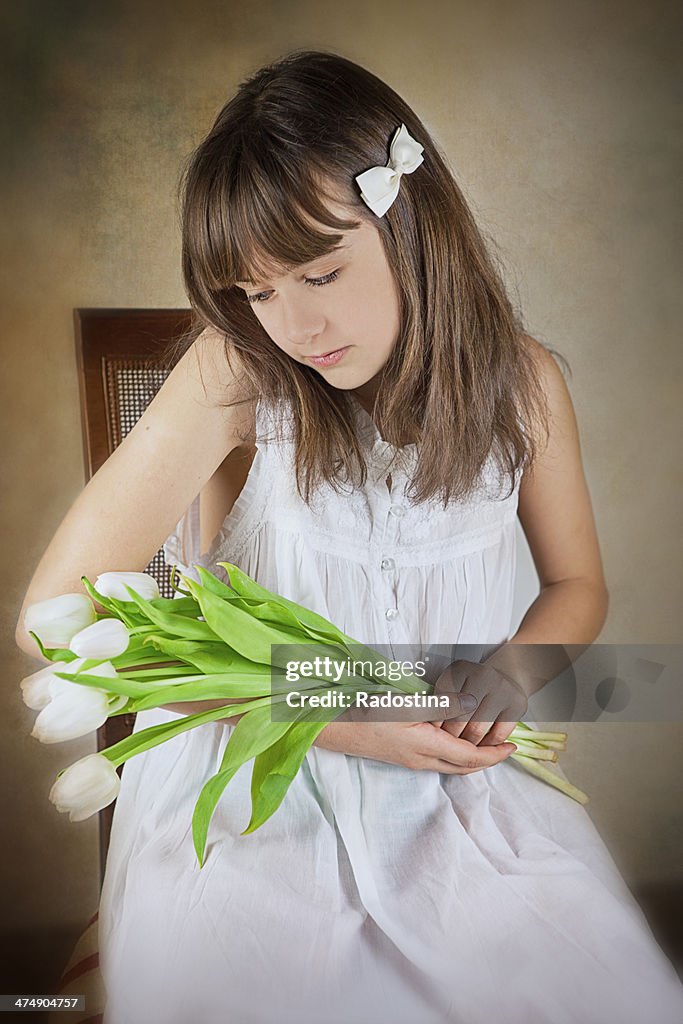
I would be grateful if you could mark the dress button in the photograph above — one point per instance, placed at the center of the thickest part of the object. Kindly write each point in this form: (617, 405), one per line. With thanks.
(387, 563)
(397, 511)
(391, 613)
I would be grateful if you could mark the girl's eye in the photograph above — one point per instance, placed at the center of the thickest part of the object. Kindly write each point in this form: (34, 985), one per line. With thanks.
(315, 282)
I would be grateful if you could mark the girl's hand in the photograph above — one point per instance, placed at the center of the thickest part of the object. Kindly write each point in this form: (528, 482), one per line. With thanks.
(420, 746)
(502, 703)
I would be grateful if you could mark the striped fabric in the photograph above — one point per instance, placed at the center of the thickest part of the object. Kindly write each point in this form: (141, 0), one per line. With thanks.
(82, 977)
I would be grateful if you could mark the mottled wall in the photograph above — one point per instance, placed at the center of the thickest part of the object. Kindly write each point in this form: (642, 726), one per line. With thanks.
(558, 120)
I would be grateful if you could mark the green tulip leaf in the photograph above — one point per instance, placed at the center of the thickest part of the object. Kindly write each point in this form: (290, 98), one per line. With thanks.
(126, 611)
(153, 735)
(53, 653)
(249, 588)
(247, 635)
(253, 733)
(176, 625)
(118, 684)
(207, 656)
(275, 768)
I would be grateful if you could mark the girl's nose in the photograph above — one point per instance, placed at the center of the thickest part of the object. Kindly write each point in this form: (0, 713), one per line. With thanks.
(301, 324)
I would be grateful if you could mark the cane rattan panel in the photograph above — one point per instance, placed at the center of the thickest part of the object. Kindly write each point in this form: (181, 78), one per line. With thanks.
(119, 353)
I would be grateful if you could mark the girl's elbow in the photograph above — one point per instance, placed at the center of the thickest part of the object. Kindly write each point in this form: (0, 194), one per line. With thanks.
(602, 601)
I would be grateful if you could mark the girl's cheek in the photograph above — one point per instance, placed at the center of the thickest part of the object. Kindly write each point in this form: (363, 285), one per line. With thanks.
(270, 325)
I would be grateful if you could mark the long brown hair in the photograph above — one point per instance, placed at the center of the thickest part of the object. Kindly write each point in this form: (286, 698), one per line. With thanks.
(461, 378)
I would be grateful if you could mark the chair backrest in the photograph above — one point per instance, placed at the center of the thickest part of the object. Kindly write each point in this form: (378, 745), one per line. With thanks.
(119, 354)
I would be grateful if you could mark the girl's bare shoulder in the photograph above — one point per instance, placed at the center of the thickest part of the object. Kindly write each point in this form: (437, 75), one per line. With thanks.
(552, 382)
(547, 361)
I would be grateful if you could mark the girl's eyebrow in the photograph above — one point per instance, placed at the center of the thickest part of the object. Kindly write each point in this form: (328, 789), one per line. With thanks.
(336, 248)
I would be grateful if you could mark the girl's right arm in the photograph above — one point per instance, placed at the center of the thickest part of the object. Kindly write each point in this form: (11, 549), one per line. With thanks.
(134, 501)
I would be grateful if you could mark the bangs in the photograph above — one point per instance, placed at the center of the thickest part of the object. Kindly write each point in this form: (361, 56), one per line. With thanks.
(267, 219)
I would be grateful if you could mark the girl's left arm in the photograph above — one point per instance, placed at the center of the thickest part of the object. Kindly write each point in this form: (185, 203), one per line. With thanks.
(557, 518)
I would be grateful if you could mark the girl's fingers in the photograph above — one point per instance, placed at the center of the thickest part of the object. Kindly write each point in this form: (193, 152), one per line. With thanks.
(500, 730)
(454, 682)
(486, 714)
(464, 755)
(457, 722)
(448, 768)
(455, 726)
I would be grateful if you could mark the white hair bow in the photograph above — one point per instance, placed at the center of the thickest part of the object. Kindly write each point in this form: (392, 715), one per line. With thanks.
(379, 186)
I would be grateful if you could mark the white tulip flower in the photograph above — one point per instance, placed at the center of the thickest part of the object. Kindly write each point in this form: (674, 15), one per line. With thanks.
(41, 687)
(85, 787)
(58, 619)
(111, 584)
(75, 709)
(71, 715)
(106, 638)
(57, 686)
(35, 689)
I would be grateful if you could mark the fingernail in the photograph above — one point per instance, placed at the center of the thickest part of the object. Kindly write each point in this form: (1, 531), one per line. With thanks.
(468, 701)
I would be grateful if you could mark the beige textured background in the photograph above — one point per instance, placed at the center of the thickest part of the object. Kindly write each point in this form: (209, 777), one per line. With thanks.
(558, 120)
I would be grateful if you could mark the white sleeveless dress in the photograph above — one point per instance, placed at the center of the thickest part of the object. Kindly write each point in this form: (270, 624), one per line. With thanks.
(375, 894)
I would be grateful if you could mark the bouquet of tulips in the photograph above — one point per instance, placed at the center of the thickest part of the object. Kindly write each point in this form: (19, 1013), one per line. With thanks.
(216, 641)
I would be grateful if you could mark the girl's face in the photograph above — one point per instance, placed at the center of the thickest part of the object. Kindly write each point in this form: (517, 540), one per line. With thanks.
(345, 300)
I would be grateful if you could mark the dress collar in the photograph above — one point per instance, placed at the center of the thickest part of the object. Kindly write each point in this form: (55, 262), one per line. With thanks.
(382, 456)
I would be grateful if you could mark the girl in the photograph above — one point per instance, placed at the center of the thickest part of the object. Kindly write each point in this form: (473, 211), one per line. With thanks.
(409, 876)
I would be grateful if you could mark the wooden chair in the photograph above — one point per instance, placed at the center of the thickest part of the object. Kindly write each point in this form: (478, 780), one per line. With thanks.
(123, 356)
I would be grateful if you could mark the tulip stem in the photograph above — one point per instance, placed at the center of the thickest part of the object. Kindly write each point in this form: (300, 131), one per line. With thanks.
(151, 673)
(534, 734)
(541, 772)
(537, 752)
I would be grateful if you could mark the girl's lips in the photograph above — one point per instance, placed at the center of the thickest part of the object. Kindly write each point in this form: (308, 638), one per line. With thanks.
(329, 360)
